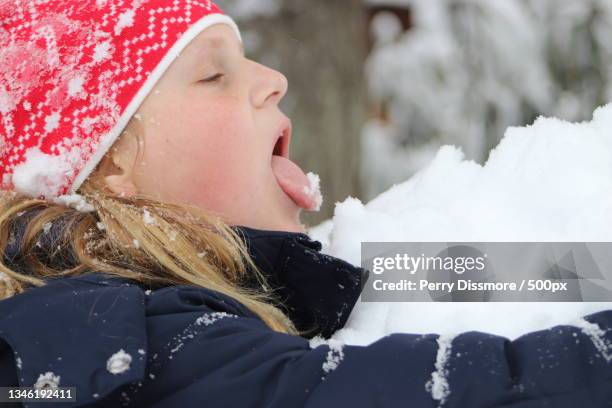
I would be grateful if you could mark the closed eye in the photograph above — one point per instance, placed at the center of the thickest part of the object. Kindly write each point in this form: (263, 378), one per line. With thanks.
(213, 78)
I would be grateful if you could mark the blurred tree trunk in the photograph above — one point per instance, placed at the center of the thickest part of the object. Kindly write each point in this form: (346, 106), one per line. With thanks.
(320, 45)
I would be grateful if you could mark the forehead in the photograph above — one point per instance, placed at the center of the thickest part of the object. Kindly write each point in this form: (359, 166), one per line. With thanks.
(219, 37)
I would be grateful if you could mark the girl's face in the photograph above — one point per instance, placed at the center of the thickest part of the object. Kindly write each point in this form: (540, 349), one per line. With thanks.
(210, 127)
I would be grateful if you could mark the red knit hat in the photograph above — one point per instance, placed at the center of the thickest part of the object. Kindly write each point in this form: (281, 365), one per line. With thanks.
(72, 74)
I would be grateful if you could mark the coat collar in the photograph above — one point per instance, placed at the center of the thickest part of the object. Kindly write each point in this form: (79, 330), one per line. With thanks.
(317, 291)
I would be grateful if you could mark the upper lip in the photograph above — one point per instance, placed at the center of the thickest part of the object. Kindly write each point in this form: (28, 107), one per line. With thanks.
(282, 139)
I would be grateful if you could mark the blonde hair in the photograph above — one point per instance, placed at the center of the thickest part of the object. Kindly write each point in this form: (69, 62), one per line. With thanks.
(151, 242)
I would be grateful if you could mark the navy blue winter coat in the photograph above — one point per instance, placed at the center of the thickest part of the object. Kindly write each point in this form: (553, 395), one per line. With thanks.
(193, 347)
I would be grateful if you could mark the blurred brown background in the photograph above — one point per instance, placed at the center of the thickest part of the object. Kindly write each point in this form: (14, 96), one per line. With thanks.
(320, 46)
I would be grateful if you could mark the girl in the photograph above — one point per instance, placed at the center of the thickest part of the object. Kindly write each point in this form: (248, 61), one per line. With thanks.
(152, 249)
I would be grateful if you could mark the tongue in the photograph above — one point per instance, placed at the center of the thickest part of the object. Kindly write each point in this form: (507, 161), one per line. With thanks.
(293, 181)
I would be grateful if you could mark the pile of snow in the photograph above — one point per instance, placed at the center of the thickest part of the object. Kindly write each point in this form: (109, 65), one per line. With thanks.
(551, 181)
(384, 162)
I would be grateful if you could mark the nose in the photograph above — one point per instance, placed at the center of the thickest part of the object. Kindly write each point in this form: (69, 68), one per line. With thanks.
(270, 86)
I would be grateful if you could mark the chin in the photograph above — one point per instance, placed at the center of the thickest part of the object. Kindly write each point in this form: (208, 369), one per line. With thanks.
(296, 227)
(289, 219)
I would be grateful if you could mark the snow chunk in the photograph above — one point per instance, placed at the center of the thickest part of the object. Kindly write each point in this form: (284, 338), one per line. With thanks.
(314, 190)
(317, 341)
(177, 348)
(438, 385)
(136, 243)
(335, 355)
(119, 362)
(47, 380)
(209, 318)
(75, 201)
(44, 174)
(148, 218)
(597, 336)
(4, 277)
(189, 333)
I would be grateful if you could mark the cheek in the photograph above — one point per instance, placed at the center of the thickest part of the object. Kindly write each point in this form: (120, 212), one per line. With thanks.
(212, 158)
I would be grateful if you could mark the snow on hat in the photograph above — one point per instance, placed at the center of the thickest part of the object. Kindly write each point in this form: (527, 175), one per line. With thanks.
(72, 74)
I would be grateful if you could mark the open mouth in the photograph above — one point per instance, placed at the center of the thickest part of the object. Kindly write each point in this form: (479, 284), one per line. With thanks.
(281, 147)
(290, 176)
